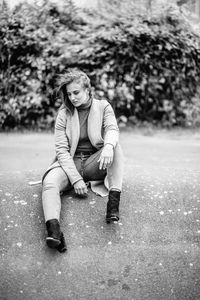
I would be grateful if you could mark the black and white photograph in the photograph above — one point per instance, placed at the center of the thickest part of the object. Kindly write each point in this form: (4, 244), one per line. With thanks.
(100, 150)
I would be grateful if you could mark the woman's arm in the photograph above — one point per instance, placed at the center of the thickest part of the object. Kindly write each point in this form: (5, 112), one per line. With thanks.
(63, 150)
(110, 127)
(111, 136)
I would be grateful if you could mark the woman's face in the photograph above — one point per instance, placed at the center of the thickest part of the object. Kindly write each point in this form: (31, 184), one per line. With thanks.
(77, 94)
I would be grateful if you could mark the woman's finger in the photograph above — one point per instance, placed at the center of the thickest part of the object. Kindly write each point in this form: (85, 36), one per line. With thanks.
(101, 163)
(107, 162)
(83, 191)
(104, 162)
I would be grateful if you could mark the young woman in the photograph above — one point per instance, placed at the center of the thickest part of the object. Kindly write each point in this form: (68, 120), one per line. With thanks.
(87, 151)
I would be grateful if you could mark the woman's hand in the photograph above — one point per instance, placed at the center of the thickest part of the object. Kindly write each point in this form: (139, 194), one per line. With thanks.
(80, 188)
(106, 157)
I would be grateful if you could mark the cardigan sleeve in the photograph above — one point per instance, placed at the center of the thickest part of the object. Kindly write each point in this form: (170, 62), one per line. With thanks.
(111, 130)
(63, 149)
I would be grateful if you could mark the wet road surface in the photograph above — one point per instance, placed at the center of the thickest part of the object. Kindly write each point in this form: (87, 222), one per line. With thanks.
(152, 253)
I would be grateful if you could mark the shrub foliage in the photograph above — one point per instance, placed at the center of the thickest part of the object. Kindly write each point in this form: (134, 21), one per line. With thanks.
(147, 67)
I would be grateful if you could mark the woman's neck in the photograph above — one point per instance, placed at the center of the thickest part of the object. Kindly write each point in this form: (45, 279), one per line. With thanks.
(85, 105)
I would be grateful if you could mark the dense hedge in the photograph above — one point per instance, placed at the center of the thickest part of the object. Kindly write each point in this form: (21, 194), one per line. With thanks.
(148, 68)
(31, 42)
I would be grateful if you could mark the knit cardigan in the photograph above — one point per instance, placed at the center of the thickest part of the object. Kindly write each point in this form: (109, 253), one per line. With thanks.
(102, 129)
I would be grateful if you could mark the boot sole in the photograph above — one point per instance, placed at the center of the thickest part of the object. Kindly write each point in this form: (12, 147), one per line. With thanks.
(112, 219)
(52, 243)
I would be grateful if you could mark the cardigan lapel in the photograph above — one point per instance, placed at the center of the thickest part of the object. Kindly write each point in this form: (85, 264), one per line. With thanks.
(95, 124)
(75, 132)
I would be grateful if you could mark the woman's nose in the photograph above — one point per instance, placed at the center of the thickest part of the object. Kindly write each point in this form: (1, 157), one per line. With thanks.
(72, 97)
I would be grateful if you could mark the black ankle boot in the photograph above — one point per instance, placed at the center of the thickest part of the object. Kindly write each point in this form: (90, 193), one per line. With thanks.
(55, 238)
(112, 213)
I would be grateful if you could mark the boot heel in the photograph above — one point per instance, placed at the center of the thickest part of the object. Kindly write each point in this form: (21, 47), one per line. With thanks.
(62, 246)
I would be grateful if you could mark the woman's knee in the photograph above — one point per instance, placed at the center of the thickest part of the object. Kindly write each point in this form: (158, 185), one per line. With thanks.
(49, 184)
(55, 179)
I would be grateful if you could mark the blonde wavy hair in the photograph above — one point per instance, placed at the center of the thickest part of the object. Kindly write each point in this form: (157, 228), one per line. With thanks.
(72, 75)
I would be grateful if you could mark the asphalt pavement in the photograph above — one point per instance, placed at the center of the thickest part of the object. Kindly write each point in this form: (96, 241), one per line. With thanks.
(151, 254)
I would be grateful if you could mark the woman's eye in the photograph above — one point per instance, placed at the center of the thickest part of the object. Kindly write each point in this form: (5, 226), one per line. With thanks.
(73, 93)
